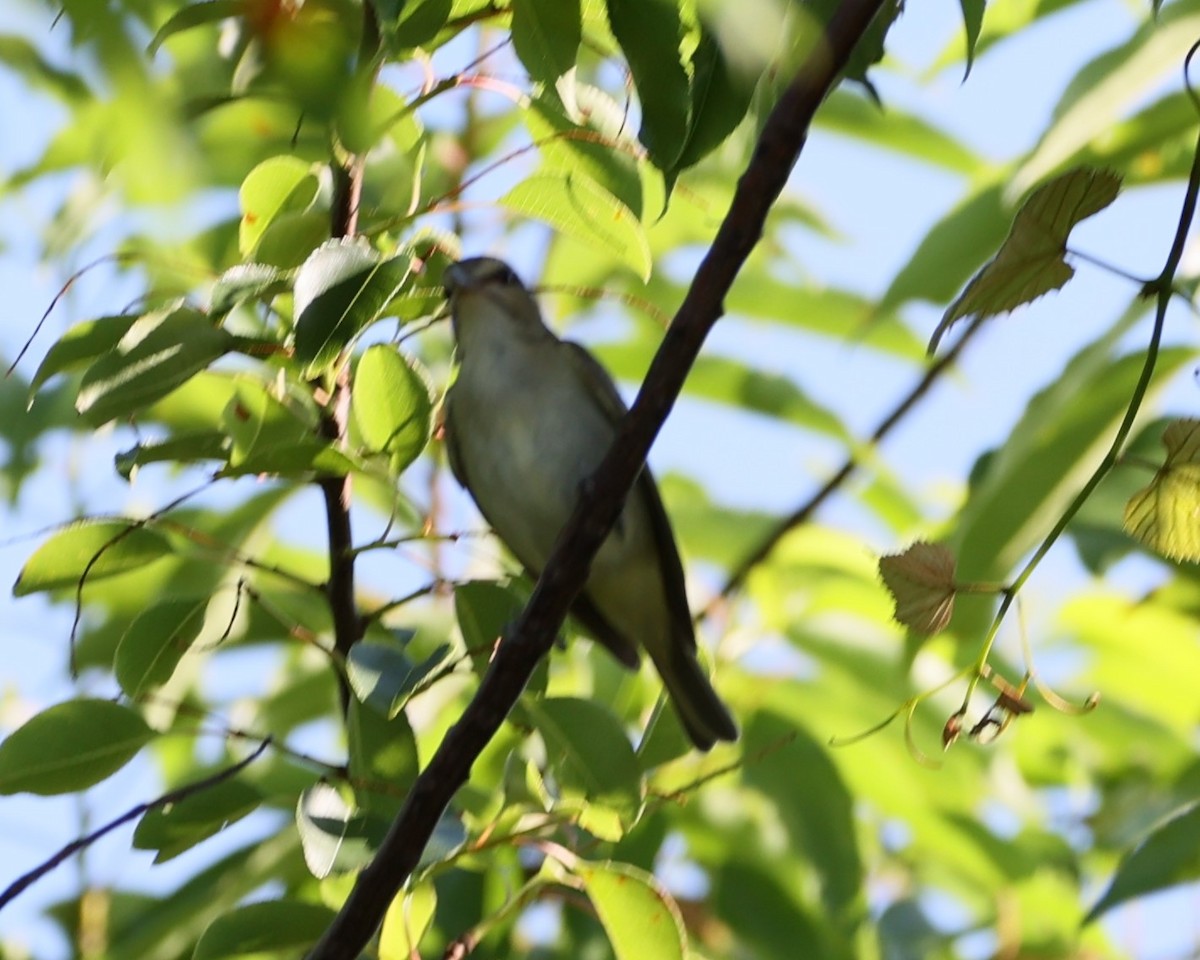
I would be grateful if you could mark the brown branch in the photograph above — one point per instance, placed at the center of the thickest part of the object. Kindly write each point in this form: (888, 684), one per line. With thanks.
(22, 882)
(803, 513)
(600, 502)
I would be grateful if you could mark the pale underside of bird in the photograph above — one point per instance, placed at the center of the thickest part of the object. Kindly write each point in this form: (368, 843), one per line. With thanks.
(528, 419)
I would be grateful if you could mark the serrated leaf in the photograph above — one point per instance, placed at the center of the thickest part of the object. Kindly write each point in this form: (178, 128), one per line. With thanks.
(257, 928)
(341, 289)
(720, 96)
(276, 186)
(921, 581)
(246, 281)
(392, 405)
(650, 32)
(155, 642)
(1165, 515)
(176, 828)
(103, 548)
(406, 922)
(579, 207)
(158, 353)
(638, 915)
(546, 35)
(195, 15)
(70, 747)
(83, 342)
(1169, 855)
(1032, 260)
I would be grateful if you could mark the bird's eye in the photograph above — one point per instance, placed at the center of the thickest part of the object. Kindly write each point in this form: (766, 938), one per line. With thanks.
(504, 275)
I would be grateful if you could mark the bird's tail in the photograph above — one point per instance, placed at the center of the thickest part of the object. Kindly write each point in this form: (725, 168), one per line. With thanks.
(703, 715)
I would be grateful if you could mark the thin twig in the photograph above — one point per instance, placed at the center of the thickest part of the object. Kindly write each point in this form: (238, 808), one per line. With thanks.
(22, 882)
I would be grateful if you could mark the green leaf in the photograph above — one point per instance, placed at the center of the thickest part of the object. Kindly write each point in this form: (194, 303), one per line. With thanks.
(245, 282)
(195, 15)
(579, 207)
(155, 642)
(1031, 261)
(341, 289)
(419, 22)
(176, 828)
(336, 838)
(158, 353)
(546, 35)
(720, 96)
(638, 915)
(383, 758)
(270, 436)
(1169, 855)
(592, 759)
(82, 343)
(921, 582)
(102, 548)
(972, 14)
(392, 405)
(274, 925)
(650, 32)
(407, 921)
(277, 186)
(1164, 515)
(383, 676)
(190, 447)
(70, 747)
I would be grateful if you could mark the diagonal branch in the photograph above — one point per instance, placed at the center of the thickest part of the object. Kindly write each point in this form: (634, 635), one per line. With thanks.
(779, 145)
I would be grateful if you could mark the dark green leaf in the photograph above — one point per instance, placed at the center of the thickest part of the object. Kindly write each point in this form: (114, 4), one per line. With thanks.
(972, 14)
(102, 548)
(274, 925)
(419, 22)
(546, 36)
(720, 96)
(70, 747)
(185, 448)
(383, 676)
(82, 343)
(1169, 855)
(246, 281)
(159, 352)
(650, 33)
(336, 839)
(383, 758)
(175, 829)
(341, 290)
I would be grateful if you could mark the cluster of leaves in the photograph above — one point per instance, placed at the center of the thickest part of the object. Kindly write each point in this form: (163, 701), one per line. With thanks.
(277, 372)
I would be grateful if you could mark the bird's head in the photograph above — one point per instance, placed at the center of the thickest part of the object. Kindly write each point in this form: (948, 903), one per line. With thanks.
(484, 290)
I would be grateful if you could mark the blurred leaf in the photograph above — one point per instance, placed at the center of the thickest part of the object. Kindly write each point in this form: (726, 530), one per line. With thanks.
(277, 186)
(1031, 261)
(392, 405)
(101, 548)
(70, 747)
(546, 35)
(336, 838)
(1168, 856)
(1164, 514)
(245, 282)
(155, 642)
(195, 15)
(383, 758)
(185, 448)
(260, 927)
(720, 95)
(383, 676)
(341, 289)
(921, 581)
(972, 14)
(271, 436)
(591, 757)
(157, 354)
(418, 23)
(83, 342)
(406, 922)
(650, 33)
(581, 208)
(175, 829)
(638, 915)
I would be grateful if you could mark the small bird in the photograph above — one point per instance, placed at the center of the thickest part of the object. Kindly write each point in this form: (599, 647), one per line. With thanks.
(528, 419)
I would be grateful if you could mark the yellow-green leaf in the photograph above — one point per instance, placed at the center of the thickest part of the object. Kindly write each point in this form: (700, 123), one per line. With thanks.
(1165, 515)
(921, 581)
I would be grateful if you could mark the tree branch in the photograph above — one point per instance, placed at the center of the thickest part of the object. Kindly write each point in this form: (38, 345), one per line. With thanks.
(778, 146)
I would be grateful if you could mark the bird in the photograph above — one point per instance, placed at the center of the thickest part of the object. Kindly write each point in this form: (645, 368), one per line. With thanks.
(528, 418)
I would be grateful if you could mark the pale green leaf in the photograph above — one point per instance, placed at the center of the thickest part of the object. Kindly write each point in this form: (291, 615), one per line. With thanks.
(276, 186)
(638, 915)
(101, 548)
(392, 405)
(155, 642)
(406, 922)
(1165, 515)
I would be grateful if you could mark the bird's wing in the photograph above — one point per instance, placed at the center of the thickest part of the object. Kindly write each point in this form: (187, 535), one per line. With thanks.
(645, 488)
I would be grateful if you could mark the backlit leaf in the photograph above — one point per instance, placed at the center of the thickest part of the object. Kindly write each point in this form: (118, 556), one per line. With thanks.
(1165, 515)
(102, 548)
(921, 582)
